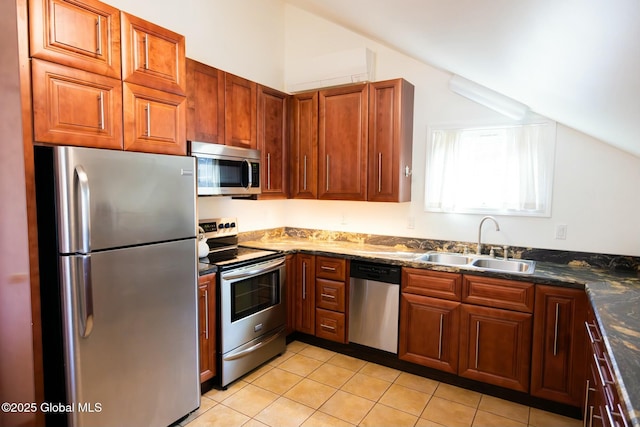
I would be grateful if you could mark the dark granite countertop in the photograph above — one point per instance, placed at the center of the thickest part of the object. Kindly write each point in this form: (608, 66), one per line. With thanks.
(615, 297)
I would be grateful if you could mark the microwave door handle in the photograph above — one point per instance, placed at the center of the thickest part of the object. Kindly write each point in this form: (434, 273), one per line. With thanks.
(249, 173)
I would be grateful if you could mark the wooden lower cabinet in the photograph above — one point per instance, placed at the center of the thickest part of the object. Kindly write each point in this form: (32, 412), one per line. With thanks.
(495, 346)
(558, 358)
(207, 325)
(602, 404)
(429, 331)
(305, 306)
(154, 121)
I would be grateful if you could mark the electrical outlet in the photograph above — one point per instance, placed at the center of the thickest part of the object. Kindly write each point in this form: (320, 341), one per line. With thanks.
(561, 231)
(411, 223)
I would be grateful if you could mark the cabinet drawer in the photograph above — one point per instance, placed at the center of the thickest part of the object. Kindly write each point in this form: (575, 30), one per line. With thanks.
(330, 295)
(498, 293)
(331, 268)
(432, 283)
(330, 325)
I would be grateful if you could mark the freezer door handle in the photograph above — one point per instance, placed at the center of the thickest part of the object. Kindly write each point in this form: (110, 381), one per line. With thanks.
(84, 205)
(86, 296)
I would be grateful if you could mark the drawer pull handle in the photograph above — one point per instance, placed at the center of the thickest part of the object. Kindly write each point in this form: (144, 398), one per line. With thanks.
(328, 296)
(101, 108)
(99, 41)
(440, 339)
(146, 51)
(331, 328)
(591, 338)
(477, 341)
(379, 172)
(555, 331)
(326, 268)
(304, 280)
(206, 313)
(304, 174)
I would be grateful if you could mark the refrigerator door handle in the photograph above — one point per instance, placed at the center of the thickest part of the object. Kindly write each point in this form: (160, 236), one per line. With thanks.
(86, 297)
(84, 206)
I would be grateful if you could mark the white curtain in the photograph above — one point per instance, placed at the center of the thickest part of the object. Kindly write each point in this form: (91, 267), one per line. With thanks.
(500, 170)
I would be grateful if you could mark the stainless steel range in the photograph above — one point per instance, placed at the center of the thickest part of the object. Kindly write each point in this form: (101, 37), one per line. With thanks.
(251, 292)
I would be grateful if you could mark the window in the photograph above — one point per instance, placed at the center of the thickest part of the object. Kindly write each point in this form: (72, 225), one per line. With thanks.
(504, 170)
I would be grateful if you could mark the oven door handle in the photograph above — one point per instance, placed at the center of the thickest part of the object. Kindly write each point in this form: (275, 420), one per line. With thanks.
(254, 347)
(242, 273)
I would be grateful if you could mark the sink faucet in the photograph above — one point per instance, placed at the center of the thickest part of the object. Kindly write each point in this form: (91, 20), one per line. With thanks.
(479, 249)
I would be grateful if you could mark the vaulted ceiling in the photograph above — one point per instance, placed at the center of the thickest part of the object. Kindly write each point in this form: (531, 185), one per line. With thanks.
(575, 61)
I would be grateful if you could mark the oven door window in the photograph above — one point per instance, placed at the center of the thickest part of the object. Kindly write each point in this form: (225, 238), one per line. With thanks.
(254, 294)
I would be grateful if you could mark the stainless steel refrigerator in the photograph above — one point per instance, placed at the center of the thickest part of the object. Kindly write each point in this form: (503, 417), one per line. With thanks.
(118, 270)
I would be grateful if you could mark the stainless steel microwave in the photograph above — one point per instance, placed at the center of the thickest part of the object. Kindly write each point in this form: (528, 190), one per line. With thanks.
(224, 170)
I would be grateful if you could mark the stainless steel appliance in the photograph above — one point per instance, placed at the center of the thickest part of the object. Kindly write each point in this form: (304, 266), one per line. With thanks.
(224, 170)
(251, 291)
(117, 250)
(373, 305)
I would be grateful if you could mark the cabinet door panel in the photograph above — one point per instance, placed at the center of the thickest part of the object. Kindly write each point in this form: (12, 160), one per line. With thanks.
(206, 314)
(305, 294)
(205, 103)
(82, 35)
(495, 346)
(272, 142)
(557, 371)
(154, 121)
(390, 141)
(74, 107)
(240, 126)
(500, 293)
(342, 155)
(152, 56)
(304, 146)
(429, 332)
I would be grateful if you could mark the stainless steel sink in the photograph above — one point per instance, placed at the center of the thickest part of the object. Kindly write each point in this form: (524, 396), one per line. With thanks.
(445, 258)
(479, 261)
(508, 265)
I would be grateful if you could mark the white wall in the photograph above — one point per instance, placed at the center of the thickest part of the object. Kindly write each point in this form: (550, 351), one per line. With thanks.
(596, 186)
(243, 37)
(595, 189)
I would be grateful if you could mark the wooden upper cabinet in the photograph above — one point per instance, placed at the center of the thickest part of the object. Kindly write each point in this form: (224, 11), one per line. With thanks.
(75, 107)
(154, 121)
(559, 344)
(240, 126)
(205, 103)
(273, 142)
(83, 35)
(304, 146)
(152, 56)
(342, 143)
(390, 141)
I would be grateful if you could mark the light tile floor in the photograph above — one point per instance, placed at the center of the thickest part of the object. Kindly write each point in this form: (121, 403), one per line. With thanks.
(309, 386)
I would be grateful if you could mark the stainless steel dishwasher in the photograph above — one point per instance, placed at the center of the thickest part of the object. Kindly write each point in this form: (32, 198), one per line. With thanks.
(373, 305)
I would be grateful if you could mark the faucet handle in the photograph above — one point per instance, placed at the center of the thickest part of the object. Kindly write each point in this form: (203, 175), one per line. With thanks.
(492, 252)
(505, 252)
